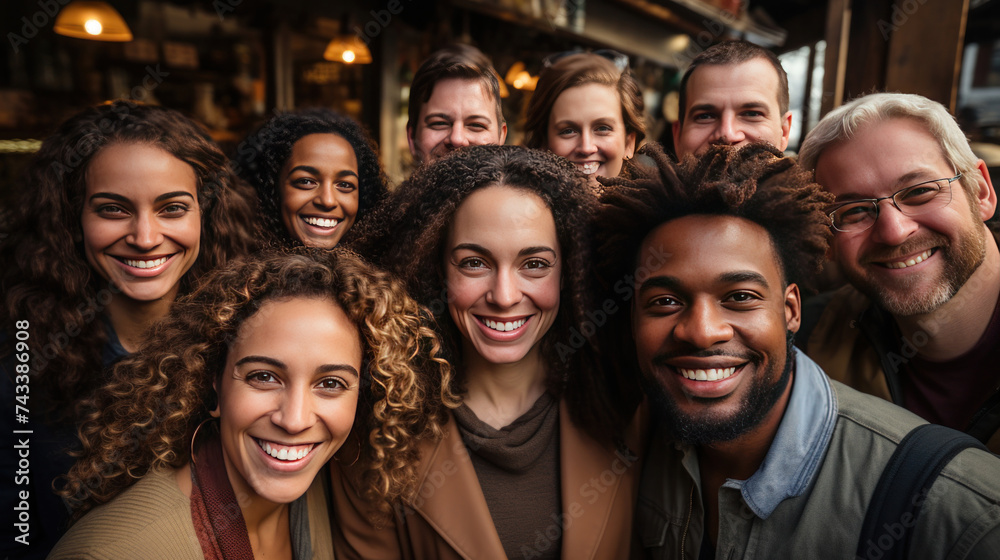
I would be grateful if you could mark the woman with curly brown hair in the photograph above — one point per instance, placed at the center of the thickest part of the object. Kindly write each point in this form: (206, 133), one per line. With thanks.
(316, 173)
(588, 108)
(122, 209)
(202, 440)
(537, 462)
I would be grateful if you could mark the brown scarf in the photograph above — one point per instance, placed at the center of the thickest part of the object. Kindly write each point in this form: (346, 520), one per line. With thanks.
(218, 519)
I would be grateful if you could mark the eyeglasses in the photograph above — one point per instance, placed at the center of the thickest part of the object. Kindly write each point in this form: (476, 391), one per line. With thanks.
(620, 60)
(859, 215)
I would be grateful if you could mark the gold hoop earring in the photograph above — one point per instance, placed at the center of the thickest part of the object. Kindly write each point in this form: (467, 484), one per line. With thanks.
(194, 436)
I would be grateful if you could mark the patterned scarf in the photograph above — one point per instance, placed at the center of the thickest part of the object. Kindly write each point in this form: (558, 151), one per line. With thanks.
(218, 520)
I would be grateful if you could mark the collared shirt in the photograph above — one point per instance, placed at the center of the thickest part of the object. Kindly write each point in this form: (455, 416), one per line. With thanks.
(809, 496)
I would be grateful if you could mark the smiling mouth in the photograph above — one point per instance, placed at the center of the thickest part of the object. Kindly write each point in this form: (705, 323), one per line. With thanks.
(153, 263)
(285, 452)
(321, 222)
(504, 326)
(910, 261)
(712, 374)
(590, 167)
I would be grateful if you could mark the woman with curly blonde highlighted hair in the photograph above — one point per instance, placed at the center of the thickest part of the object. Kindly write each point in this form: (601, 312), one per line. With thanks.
(208, 442)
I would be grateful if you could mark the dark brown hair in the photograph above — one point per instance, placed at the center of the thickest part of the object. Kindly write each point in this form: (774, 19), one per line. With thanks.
(421, 212)
(734, 52)
(577, 70)
(753, 182)
(260, 158)
(145, 416)
(46, 277)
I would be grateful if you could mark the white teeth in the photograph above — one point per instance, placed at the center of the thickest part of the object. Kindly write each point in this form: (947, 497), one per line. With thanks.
(285, 453)
(590, 168)
(707, 374)
(145, 264)
(321, 222)
(910, 262)
(504, 326)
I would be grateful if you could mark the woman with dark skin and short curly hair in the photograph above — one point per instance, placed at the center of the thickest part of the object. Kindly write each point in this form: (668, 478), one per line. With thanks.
(316, 173)
(497, 248)
(122, 209)
(202, 440)
(588, 109)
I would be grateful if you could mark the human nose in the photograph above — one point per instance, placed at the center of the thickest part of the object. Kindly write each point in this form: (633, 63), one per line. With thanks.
(145, 234)
(326, 196)
(729, 131)
(586, 145)
(891, 227)
(702, 326)
(505, 291)
(294, 411)
(458, 138)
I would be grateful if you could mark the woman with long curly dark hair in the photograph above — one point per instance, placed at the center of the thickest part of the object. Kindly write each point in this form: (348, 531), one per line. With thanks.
(498, 249)
(122, 209)
(202, 440)
(316, 173)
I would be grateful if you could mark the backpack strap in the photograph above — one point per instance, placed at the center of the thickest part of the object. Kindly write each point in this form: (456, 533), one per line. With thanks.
(906, 479)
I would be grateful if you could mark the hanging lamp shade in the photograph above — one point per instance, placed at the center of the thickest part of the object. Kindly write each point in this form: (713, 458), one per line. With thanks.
(96, 21)
(348, 48)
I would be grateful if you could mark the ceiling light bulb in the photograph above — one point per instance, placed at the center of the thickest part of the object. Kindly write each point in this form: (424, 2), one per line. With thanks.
(93, 27)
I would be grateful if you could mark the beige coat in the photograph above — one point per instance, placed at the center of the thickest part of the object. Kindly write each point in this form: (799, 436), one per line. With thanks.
(449, 518)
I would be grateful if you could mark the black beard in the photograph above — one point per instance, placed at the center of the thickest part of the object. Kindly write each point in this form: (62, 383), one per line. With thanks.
(756, 404)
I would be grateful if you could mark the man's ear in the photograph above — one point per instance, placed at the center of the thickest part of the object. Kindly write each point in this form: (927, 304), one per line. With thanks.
(786, 129)
(503, 133)
(986, 196)
(793, 308)
(409, 141)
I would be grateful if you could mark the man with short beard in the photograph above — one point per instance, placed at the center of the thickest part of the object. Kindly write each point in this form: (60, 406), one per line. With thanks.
(919, 324)
(756, 453)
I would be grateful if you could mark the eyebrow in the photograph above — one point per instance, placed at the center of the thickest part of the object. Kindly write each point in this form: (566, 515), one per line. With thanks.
(914, 177)
(475, 247)
(325, 368)
(120, 198)
(734, 277)
(315, 171)
(451, 118)
(714, 107)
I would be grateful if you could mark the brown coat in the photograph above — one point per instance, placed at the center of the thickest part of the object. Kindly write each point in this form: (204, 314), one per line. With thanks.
(449, 519)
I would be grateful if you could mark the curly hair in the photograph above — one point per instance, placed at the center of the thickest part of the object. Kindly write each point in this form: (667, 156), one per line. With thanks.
(577, 70)
(753, 182)
(261, 156)
(145, 416)
(46, 277)
(422, 210)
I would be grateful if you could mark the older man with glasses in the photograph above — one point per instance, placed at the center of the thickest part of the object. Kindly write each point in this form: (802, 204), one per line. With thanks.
(919, 324)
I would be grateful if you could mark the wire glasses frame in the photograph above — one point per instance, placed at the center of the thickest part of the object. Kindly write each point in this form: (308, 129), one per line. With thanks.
(859, 215)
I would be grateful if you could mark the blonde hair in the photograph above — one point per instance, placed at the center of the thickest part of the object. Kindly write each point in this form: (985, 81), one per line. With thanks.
(844, 122)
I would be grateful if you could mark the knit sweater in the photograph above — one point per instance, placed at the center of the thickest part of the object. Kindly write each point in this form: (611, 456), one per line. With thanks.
(152, 520)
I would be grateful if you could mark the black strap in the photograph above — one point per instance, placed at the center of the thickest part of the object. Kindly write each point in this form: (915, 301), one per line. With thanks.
(907, 477)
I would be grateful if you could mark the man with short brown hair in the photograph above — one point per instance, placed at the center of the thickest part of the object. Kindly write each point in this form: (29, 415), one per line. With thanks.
(454, 102)
(733, 93)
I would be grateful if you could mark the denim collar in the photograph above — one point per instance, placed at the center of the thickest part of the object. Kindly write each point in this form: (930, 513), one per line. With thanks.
(799, 445)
